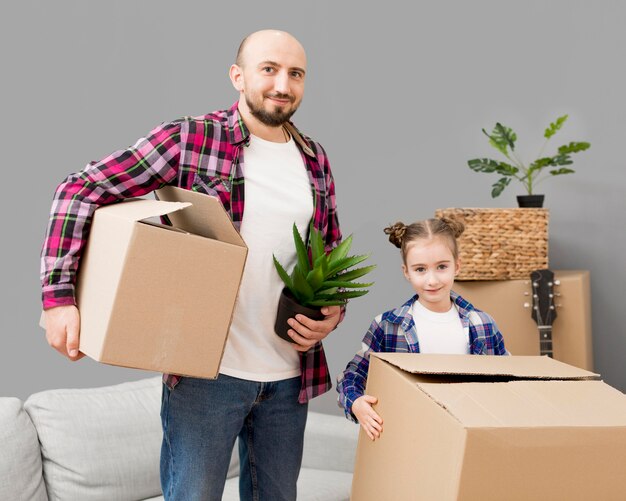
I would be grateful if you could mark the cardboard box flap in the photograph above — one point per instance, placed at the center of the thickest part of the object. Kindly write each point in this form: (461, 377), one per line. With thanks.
(530, 403)
(137, 209)
(207, 216)
(515, 367)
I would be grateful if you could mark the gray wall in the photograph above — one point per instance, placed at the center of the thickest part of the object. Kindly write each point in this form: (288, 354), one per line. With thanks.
(397, 92)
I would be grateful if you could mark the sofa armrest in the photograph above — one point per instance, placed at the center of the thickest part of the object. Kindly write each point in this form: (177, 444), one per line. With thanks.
(329, 442)
(21, 475)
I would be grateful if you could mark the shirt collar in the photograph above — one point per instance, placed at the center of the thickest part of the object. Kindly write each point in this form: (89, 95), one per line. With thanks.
(239, 133)
(464, 307)
(402, 315)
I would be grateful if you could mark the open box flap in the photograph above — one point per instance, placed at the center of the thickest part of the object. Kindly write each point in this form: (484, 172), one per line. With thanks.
(522, 367)
(535, 403)
(206, 216)
(137, 209)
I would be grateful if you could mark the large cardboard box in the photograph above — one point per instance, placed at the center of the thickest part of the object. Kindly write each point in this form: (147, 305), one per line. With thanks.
(509, 302)
(466, 427)
(160, 297)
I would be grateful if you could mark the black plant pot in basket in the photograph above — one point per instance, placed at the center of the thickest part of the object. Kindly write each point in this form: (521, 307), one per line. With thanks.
(530, 201)
(288, 307)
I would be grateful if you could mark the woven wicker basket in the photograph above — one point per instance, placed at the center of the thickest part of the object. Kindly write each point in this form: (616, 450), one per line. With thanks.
(500, 244)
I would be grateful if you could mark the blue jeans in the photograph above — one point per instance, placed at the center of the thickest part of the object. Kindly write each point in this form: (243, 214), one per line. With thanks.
(201, 419)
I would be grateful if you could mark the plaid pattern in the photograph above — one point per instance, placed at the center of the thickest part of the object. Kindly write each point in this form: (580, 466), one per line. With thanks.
(204, 154)
(394, 331)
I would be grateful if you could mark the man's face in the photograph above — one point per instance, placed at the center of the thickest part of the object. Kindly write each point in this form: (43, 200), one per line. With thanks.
(271, 77)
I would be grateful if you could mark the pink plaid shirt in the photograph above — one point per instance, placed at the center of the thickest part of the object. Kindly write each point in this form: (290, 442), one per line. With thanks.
(203, 154)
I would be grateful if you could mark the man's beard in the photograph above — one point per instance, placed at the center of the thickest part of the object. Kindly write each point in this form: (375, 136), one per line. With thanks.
(274, 118)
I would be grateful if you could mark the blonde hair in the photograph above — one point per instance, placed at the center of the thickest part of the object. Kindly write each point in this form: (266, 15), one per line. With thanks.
(402, 235)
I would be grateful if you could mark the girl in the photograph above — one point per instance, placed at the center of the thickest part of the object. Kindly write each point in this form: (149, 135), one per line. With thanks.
(434, 320)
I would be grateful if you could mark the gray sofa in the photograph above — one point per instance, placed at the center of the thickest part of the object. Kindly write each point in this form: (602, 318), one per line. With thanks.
(104, 443)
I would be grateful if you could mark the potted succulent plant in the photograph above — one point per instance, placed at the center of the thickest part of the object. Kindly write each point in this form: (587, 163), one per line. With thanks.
(530, 175)
(318, 279)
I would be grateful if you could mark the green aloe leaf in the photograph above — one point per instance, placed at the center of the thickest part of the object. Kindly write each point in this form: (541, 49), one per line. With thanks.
(326, 302)
(554, 127)
(301, 252)
(345, 285)
(342, 295)
(284, 276)
(315, 278)
(316, 243)
(498, 187)
(345, 263)
(356, 273)
(341, 250)
(301, 289)
(322, 263)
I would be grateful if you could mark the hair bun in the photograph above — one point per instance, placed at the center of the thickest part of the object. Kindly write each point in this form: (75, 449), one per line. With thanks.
(396, 233)
(456, 226)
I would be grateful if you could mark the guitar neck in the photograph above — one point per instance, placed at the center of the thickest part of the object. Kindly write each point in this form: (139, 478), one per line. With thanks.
(545, 340)
(544, 309)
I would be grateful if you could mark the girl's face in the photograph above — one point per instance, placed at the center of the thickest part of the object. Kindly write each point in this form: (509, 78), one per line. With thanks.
(430, 268)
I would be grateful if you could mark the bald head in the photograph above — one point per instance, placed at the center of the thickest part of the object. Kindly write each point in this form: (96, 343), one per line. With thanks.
(269, 75)
(262, 38)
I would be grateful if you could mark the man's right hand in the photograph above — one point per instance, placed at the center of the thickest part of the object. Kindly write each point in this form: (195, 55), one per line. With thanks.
(63, 331)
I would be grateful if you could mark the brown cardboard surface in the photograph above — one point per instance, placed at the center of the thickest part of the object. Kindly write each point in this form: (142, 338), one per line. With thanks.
(558, 437)
(508, 302)
(543, 464)
(154, 297)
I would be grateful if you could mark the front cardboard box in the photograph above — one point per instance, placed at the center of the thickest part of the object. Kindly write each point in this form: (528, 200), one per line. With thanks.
(465, 427)
(159, 297)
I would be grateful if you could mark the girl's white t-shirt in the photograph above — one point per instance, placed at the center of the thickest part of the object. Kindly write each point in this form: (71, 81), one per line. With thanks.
(440, 332)
(277, 194)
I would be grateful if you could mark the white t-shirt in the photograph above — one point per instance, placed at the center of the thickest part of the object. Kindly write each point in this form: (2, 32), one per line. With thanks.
(277, 194)
(440, 332)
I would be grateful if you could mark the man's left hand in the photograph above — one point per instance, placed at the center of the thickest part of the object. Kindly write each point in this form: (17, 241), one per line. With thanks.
(306, 332)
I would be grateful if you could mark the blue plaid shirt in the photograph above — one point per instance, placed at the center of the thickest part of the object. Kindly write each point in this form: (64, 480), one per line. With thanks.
(394, 331)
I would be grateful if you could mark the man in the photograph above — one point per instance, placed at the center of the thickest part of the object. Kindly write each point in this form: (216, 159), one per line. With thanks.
(265, 382)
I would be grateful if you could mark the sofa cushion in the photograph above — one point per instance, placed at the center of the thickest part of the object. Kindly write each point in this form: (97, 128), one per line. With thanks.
(100, 443)
(329, 442)
(20, 459)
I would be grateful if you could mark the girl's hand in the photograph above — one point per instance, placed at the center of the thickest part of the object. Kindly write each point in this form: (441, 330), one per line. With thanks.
(371, 422)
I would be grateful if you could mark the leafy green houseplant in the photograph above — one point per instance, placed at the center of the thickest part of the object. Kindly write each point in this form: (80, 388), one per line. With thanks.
(318, 279)
(531, 174)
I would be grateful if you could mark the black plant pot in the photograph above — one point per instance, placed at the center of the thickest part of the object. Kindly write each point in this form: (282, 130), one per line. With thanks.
(530, 200)
(288, 307)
